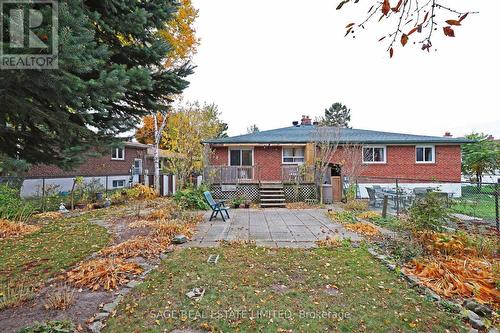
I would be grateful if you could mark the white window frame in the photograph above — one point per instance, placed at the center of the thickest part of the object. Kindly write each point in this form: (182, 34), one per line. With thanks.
(115, 151)
(239, 148)
(119, 180)
(433, 154)
(292, 147)
(374, 162)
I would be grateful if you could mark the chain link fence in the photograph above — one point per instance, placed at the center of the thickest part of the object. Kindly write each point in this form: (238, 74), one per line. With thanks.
(468, 201)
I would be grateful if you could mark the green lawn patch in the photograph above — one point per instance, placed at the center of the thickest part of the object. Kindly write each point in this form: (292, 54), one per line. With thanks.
(477, 205)
(58, 245)
(254, 289)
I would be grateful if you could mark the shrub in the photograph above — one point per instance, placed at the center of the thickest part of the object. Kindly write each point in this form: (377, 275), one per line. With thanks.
(429, 213)
(12, 207)
(140, 191)
(191, 198)
(405, 249)
(52, 326)
(342, 217)
(356, 205)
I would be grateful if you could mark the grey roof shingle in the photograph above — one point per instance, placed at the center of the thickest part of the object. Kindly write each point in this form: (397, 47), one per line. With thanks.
(304, 134)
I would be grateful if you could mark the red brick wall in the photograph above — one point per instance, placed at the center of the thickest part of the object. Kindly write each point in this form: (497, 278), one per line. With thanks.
(219, 156)
(268, 159)
(400, 163)
(98, 166)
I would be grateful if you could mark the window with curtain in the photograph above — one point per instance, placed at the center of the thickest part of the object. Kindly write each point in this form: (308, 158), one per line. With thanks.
(293, 155)
(424, 154)
(240, 157)
(374, 154)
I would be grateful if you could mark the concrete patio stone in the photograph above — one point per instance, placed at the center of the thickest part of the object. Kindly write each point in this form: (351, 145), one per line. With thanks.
(280, 227)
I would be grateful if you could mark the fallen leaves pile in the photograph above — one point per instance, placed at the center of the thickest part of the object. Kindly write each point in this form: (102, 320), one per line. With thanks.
(329, 242)
(363, 228)
(465, 277)
(441, 243)
(172, 228)
(105, 273)
(164, 213)
(10, 229)
(142, 224)
(146, 247)
(49, 215)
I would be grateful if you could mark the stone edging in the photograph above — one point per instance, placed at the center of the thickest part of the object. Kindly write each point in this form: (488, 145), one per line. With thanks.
(474, 318)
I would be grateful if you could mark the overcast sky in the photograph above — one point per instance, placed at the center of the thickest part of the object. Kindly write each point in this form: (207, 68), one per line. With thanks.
(267, 62)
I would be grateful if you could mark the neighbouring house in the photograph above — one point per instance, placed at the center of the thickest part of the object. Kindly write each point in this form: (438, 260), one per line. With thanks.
(285, 156)
(123, 166)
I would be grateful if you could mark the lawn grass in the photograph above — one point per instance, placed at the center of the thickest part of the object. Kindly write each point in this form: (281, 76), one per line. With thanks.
(58, 245)
(244, 293)
(477, 205)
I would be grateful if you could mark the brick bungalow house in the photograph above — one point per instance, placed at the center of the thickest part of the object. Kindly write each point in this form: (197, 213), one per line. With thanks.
(282, 155)
(124, 165)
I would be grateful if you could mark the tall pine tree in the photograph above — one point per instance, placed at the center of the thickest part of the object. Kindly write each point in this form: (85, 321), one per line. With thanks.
(111, 73)
(337, 115)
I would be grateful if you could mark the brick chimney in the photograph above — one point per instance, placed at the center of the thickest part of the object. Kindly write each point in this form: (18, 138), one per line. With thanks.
(306, 121)
(447, 135)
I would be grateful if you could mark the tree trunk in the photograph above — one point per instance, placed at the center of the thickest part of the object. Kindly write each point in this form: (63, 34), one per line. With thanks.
(156, 160)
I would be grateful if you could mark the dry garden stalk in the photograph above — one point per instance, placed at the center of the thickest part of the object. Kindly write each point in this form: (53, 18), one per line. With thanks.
(61, 299)
(105, 273)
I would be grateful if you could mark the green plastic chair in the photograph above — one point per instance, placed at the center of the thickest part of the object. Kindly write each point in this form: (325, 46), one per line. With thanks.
(217, 207)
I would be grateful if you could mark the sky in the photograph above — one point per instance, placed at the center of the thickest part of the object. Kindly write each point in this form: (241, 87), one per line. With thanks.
(267, 62)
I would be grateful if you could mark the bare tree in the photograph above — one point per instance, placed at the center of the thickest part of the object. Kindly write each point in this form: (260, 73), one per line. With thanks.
(159, 119)
(351, 160)
(325, 141)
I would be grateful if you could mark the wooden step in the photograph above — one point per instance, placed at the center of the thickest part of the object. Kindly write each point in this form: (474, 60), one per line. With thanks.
(273, 205)
(272, 199)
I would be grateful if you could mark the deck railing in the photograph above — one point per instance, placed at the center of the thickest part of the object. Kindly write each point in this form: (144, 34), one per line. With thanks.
(297, 174)
(231, 174)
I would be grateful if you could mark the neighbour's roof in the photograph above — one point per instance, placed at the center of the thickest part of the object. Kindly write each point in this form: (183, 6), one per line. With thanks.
(309, 133)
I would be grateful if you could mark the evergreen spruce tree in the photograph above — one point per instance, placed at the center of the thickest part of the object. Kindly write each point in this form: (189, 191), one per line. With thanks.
(337, 115)
(111, 73)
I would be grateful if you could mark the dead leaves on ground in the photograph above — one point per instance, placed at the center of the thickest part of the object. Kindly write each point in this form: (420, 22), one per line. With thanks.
(464, 277)
(141, 246)
(10, 229)
(49, 216)
(332, 242)
(107, 273)
(363, 228)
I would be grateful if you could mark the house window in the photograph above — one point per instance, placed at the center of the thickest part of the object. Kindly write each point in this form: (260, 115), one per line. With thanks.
(424, 154)
(293, 155)
(119, 183)
(374, 154)
(241, 157)
(118, 154)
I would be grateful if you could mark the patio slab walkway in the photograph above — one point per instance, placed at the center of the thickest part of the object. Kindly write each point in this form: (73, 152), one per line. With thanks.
(278, 227)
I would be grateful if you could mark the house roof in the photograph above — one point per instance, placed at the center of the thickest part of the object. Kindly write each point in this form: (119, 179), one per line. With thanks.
(308, 133)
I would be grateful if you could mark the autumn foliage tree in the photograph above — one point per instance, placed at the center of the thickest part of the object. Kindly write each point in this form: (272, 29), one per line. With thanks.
(180, 34)
(414, 21)
(186, 127)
